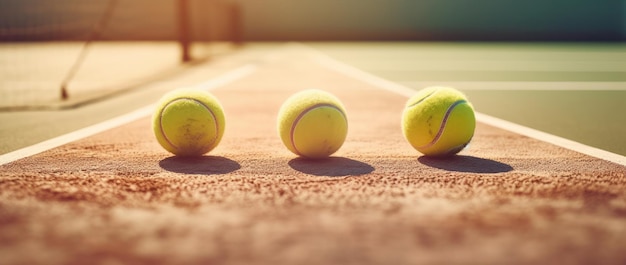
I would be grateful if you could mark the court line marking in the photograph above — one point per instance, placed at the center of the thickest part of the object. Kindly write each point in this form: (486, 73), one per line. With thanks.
(219, 81)
(359, 74)
(525, 85)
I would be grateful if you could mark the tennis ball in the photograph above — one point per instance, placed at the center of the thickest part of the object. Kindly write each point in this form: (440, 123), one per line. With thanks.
(188, 122)
(312, 124)
(438, 121)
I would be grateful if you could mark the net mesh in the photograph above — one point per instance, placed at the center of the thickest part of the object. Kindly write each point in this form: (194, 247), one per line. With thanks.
(42, 41)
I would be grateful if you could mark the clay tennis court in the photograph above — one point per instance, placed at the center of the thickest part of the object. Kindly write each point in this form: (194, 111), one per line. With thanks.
(117, 197)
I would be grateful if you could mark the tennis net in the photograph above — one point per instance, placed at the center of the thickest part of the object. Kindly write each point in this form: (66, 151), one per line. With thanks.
(52, 51)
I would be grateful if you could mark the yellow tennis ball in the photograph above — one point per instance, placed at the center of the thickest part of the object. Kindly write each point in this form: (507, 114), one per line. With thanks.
(312, 124)
(188, 122)
(438, 121)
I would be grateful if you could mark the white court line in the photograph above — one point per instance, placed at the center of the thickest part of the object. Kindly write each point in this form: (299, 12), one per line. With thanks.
(356, 73)
(524, 85)
(214, 83)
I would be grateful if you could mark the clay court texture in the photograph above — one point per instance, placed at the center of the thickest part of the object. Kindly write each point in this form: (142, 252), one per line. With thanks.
(110, 194)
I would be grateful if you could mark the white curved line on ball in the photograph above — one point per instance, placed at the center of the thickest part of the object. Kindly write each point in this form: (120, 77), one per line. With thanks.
(424, 98)
(443, 123)
(197, 101)
(304, 112)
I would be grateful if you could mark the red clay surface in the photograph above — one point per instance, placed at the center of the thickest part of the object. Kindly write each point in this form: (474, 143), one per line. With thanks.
(119, 198)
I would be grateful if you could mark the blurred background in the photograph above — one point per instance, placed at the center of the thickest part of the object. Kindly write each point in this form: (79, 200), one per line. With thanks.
(306, 20)
(57, 54)
(55, 50)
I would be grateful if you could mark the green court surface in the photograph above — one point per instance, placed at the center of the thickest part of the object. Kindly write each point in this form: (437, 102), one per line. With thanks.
(573, 90)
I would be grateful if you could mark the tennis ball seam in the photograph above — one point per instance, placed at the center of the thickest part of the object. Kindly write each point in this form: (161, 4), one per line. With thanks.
(304, 112)
(443, 123)
(422, 100)
(197, 101)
